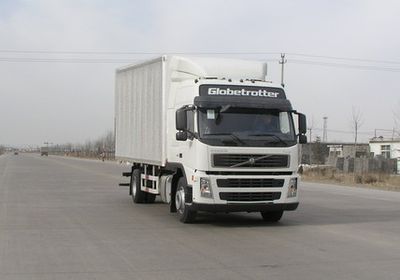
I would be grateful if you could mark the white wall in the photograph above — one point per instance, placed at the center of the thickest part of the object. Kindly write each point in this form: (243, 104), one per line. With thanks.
(394, 148)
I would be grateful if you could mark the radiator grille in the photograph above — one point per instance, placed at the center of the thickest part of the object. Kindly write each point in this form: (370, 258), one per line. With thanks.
(250, 183)
(250, 160)
(249, 196)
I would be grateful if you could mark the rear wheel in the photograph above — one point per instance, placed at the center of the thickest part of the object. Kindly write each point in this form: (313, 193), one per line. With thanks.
(138, 196)
(185, 215)
(272, 216)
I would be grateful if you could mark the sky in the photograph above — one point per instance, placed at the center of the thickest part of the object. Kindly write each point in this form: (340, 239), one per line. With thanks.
(58, 58)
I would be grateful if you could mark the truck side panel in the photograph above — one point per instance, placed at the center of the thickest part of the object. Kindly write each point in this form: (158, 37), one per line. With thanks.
(140, 113)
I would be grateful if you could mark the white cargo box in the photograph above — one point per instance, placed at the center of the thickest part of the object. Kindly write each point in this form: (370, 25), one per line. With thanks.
(140, 113)
(141, 100)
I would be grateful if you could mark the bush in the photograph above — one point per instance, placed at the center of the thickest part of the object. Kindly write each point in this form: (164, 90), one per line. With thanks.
(376, 180)
(383, 177)
(370, 179)
(358, 179)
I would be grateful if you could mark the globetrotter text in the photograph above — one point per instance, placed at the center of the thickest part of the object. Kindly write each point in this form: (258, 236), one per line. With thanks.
(243, 92)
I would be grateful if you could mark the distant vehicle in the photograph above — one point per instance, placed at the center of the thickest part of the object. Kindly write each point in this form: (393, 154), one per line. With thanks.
(15, 153)
(44, 151)
(208, 135)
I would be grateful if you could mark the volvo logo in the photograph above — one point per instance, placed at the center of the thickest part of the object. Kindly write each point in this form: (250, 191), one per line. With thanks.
(251, 161)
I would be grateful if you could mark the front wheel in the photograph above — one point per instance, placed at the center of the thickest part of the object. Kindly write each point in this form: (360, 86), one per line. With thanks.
(271, 216)
(185, 215)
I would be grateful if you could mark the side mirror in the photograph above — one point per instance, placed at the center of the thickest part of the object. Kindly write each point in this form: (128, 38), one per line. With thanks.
(302, 139)
(181, 136)
(181, 119)
(302, 124)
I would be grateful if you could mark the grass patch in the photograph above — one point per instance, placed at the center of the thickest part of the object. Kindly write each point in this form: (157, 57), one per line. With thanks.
(329, 174)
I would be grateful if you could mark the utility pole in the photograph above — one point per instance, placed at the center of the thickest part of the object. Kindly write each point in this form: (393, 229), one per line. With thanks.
(282, 62)
(325, 132)
(356, 132)
(310, 128)
(309, 146)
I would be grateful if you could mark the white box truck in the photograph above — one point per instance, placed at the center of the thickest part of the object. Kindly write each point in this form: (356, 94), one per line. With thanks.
(208, 134)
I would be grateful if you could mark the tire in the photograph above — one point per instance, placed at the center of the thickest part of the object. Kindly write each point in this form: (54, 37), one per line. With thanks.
(272, 216)
(185, 215)
(138, 196)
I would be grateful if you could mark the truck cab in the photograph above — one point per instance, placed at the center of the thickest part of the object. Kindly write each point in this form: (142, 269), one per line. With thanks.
(238, 146)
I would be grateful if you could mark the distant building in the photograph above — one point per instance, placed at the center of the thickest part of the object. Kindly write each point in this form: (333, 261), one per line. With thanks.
(388, 148)
(348, 150)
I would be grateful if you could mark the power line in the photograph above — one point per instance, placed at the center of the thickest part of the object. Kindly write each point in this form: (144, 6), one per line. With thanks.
(94, 52)
(346, 58)
(67, 60)
(343, 65)
(126, 60)
(135, 52)
(82, 60)
(344, 131)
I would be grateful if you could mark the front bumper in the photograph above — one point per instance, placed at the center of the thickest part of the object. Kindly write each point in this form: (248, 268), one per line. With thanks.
(243, 207)
(222, 194)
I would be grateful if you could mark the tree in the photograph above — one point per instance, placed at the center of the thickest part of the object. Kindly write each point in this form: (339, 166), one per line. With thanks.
(319, 150)
(102, 145)
(87, 147)
(109, 141)
(105, 142)
(356, 122)
(310, 127)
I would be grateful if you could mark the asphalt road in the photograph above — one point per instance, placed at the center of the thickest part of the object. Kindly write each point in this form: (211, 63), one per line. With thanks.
(67, 219)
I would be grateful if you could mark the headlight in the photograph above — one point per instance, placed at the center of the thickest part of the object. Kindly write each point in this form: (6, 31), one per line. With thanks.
(292, 191)
(205, 188)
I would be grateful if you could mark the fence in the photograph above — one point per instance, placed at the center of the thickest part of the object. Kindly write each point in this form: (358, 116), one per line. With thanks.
(364, 165)
(106, 155)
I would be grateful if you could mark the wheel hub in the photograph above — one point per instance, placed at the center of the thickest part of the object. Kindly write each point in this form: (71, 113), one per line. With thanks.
(180, 200)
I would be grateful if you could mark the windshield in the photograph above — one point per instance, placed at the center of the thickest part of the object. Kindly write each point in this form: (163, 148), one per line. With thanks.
(246, 127)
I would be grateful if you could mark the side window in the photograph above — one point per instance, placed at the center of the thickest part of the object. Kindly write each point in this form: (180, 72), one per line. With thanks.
(284, 122)
(190, 120)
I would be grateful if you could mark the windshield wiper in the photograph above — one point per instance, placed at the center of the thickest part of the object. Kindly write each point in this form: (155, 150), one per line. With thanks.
(233, 136)
(271, 135)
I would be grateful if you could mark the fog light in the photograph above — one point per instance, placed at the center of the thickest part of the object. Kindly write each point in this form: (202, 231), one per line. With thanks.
(292, 191)
(205, 188)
